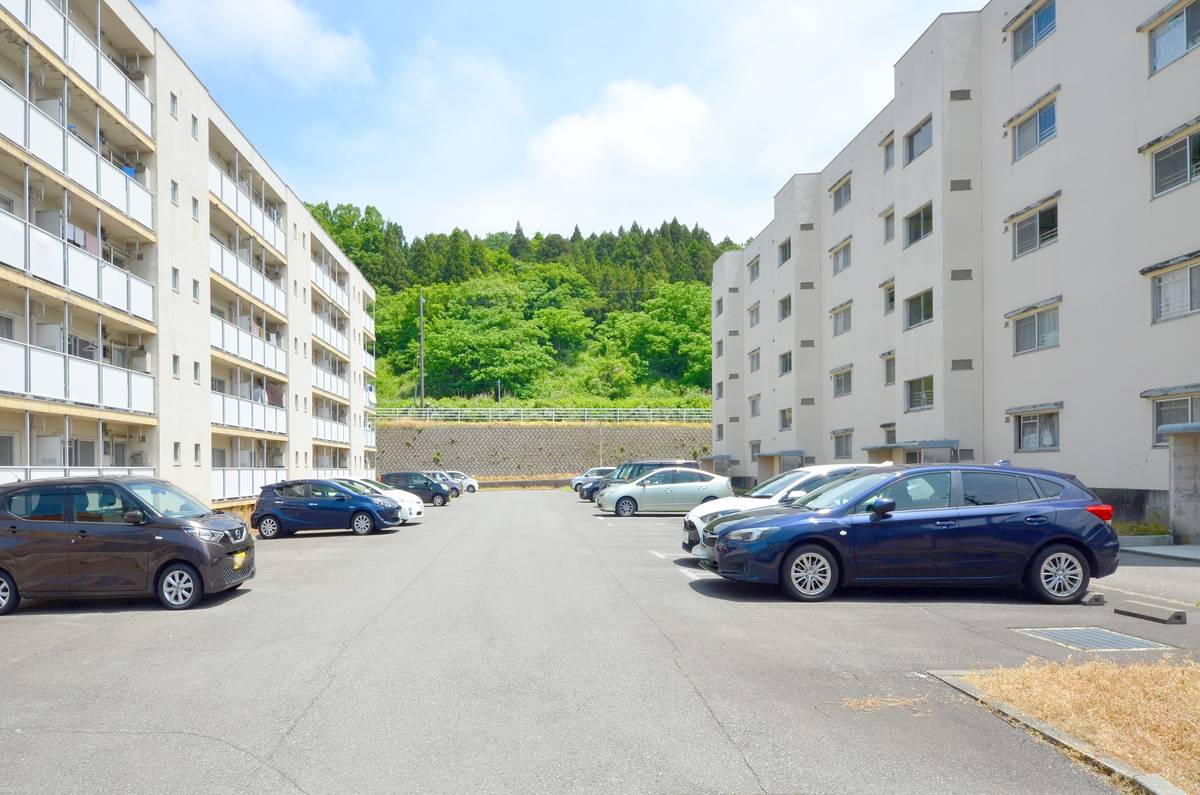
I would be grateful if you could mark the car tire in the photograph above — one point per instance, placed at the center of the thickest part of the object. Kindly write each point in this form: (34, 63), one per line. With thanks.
(455, 493)
(577, 487)
(809, 573)
(709, 498)
(1058, 575)
(438, 500)
(268, 528)
(9, 596)
(471, 489)
(626, 506)
(362, 523)
(179, 587)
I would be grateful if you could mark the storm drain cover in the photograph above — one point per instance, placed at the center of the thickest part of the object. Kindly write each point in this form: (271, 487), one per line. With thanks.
(1093, 639)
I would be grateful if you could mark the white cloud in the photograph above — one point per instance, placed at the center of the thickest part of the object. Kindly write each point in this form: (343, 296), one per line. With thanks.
(281, 36)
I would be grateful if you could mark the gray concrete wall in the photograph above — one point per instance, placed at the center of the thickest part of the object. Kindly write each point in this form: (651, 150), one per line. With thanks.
(1185, 487)
(497, 449)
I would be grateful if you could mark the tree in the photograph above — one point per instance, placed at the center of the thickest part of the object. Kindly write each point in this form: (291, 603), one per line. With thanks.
(518, 247)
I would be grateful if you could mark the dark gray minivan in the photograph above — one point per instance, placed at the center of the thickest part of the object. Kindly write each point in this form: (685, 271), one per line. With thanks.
(116, 536)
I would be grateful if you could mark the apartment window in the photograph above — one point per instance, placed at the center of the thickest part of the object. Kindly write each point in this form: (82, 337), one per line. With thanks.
(195, 289)
(175, 366)
(1174, 38)
(175, 193)
(918, 393)
(754, 315)
(720, 349)
(918, 141)
(1177, 164)
(175, 279)
(1172, 412)
(1030, 33)
(176, 453)
(889, 370)
(195, 209)
(196, 372)
(919, 225)
(196, 454)
(841, 195)
(785, 363)
(1036, 331)
(6, 327)
(174, 105)
(889, 227)
(889, 435)
(785, 307)
(195, 127)
(1036, 431)
(918, 309)
(785, 251)
(720, 434)
(889, 154)
(785, 419)
(755, 360)
(754, 270)
(755, 450)
(1035, 131)
(306, 405)
(843, 382)
(843, 444)
(755, 405)
(718, 307)
(889, 298)
(1039, 229)
(719, 390)
(1176, 293)
(841, 320)
(841, 259)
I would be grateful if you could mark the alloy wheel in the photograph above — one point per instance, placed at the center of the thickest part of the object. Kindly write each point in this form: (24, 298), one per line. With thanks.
(178, 587)
(268, 528)
(5, 594)
(363, 524)
(811, 573)
(1061, 574)
(625, 507)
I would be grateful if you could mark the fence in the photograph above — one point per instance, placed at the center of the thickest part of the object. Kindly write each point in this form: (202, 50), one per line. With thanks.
(517, 414)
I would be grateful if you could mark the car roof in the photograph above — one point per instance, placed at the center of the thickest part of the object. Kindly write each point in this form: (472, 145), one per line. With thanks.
(666, 462)
(80, 481)
(1031, 471)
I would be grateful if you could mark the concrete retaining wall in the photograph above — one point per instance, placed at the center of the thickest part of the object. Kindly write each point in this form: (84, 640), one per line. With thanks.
(1185, 487)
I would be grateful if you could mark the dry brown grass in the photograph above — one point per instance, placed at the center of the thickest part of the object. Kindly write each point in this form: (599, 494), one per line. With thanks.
(240, 511)
(876, 703)
(1146, 714)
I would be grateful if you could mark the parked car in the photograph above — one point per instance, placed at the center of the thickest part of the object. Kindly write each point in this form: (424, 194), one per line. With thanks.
(419, 483)
(107, 536)
(667, 490)
(785, 487)
(411, 506)
(470, 485)
(455, 486)
(593, 473)
(630, 470)
(288, 506)
(925, 525)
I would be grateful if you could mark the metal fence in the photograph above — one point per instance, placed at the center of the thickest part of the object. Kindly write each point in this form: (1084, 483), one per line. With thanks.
(517, 414)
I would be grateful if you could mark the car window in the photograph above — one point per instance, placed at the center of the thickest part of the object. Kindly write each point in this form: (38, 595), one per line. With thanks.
(659, 478)
(356, 487)
(925, 492)
(99, 503)
(996, 488)
(37, 505)
(692, 477)
(1049, 488)
(322, 490)
(291, 490)
(810, 484)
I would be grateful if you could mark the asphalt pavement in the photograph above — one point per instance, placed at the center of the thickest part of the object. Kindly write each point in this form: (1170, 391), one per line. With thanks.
(522, 642)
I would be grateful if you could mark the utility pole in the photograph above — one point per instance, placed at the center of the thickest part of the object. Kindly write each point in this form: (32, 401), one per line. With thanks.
(497, 390)
(421, 312)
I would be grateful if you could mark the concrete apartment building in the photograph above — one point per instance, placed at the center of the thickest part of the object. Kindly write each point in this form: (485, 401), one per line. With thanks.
(167, 304)
(1003, 264)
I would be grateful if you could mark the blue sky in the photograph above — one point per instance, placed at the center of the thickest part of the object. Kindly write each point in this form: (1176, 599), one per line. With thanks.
(477, 114)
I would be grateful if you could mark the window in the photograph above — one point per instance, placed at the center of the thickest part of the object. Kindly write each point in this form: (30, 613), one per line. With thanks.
(1036, 331)
(720, 349)
(174, 105)
(889, 298)
(1036, 431)
(889, 227)
(1039, 229)
(1178, 164)
(38, 504)
(842, 382)
(918, 393)
(785, 419)
(785, 363)
(841, 259)
(918, 309)
(926, 492)
(754, 270)
(1030, 33)
(919, 225)
(754, 316)
(175, 193)
(175, 366)
(195, 209)
(195, 289)
(720, 432)
(718, 307)
(785, 251)
(1035, 131)
(843, 444)
(196, 372)
(889, 370)
(841, 195)
(755, 405)
(889, 435)
(1176, 293)
(841, 321)
(755, 361)
(176, 453)
(994, 488)
(719, 390)
(175, 279)
(785, 307)
(1174, 38)
(755, 450)
(889, 154)
(917, 141)
(196, 454)
(1171, 412)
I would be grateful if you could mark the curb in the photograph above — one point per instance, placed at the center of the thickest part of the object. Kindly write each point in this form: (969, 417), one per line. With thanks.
(1133, 542)
(1148, 782)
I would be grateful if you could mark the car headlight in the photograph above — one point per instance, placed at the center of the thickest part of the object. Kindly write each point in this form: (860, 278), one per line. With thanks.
(204, 534)
(385, 502)
(748, 534)
(708, 517)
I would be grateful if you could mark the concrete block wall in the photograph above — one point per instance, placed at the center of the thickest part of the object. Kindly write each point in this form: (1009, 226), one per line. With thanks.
(1185, 487)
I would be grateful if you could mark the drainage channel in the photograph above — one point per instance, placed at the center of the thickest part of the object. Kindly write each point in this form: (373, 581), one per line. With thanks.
(1093, 639)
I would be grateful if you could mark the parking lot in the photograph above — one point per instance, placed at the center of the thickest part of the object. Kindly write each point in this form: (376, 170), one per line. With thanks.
(524, 641)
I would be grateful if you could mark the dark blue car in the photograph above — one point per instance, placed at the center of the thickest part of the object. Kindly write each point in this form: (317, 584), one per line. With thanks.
(283, 508)
(925, 525)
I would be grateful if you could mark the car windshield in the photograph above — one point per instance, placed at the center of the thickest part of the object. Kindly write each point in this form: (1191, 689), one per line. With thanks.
(356, 487)
(377, 484)
(622, 472)
(839, 492)
(769, 488)
(168, 500)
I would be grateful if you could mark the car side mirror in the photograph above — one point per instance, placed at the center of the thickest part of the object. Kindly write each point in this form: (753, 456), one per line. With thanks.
(134, 517)
(882, 507)
(794, 495)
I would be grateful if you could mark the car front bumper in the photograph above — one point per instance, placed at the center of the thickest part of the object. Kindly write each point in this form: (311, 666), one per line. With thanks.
(226, 568)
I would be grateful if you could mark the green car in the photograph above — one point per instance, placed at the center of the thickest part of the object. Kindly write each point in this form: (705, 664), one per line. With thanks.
(668, 490)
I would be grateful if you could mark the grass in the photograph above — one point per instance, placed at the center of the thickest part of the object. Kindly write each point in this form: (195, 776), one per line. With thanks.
(1146, 714)
(876, 703)
(1141, 529)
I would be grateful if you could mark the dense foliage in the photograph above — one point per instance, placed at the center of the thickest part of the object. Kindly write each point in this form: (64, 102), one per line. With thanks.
(611, 319)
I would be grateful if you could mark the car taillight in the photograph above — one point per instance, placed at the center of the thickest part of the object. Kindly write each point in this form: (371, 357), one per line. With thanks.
(1102, 512)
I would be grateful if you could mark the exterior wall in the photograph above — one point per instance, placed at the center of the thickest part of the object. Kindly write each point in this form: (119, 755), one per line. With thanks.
(1185, 487)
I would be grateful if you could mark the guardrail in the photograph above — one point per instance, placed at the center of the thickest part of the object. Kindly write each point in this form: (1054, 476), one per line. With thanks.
(534, 415)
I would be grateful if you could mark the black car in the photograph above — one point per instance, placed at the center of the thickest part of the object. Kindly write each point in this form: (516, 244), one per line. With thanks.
(420, 484)
(108, 536)
(630, 470)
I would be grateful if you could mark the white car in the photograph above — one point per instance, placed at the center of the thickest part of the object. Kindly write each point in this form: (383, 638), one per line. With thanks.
(411, 506)
(784, 487)
(470, 485)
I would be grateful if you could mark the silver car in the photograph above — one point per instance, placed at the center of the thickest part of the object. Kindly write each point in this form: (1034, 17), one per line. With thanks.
(668, 490)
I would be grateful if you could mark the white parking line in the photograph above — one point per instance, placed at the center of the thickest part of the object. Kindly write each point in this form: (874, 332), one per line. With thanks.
(660, 555)
(1102, 587)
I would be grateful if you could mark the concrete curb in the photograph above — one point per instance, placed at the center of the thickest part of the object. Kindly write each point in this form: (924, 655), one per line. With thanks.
(1149, 782)
(1128, 542)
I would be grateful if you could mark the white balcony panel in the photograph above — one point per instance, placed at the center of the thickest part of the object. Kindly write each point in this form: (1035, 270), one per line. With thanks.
(141, 204)
(12, 115)
(12, 367)
(229, 416)
(46, 255)
(114, 287)
(216, 406)
(83, 381)
(140, 108)
(46, 138)
(83, 472)
(81, 163)
(46, 22)
(14, 7)
(141, 297)
(81, 54)
(216, 332)
(112, 84)
(83, 272)
(113, 185)
(46, 371)
(12, 241)
(141, 392)
(115, 386)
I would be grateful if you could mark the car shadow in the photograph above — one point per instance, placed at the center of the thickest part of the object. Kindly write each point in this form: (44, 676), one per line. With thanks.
(119, 604)
(731, 591)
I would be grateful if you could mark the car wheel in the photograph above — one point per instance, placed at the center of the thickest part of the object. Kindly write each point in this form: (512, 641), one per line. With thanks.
(268, 528)
(438, 500)
(577, 487)
(179, 587)
(809, 573)
(470, 489)
(362, 524)
(1058, 575)
(709, 498)
(9, 598)
(626, 507)
(455, 493)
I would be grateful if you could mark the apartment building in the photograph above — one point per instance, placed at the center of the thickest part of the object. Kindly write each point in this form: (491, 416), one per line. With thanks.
(1003, 264)
(167, 304)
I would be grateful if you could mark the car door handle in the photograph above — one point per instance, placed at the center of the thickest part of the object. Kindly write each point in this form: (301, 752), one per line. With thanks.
(944, 525)
(1036, 520)
(312, 505)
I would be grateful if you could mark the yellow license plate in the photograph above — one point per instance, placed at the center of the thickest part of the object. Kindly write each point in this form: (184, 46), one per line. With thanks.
(239, 558)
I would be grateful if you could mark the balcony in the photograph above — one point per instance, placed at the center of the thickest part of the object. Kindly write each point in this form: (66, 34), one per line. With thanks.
(368, 322)
(328, 382)
(66, 152)
(41, 373)
(369, 392)
(237, 412)
(239, 342)
(238, 200)
(325, 332)
(17, 474)
(232, 484)
(368, 437)
(224, 262)
(329, 474)
(369, 360)
(330, 431)
(331, 288)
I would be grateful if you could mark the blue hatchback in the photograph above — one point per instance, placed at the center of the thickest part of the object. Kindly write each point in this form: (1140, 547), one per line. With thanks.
(925, 525)
(283, 508)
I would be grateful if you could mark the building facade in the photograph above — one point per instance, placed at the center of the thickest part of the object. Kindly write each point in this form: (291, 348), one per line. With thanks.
(167, 304)
(1004, 264)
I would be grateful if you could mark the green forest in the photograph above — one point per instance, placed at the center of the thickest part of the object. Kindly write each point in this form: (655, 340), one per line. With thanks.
(613, 319)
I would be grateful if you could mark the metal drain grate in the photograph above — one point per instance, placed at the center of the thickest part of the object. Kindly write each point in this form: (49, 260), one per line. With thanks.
(1093, 639)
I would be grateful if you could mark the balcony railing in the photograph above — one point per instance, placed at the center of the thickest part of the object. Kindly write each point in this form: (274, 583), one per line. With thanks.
(327, 474)
(328, 382)
(331, 288)
(16, 474)
(240, 202)
(368, 437)
(238, 412)
(370, 394)
(223, 261)
(241, 343)
(369, 360)
(51, 258)
(66, 152)
(369, 323)
(40, 373)
(232, 484)
(330, 431)
(325, 332)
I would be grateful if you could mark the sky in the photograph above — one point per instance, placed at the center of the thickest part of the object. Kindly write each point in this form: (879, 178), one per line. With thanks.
(473, 114)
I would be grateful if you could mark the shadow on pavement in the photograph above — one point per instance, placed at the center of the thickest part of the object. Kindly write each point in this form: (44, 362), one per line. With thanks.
(119, 604)
(731, 591)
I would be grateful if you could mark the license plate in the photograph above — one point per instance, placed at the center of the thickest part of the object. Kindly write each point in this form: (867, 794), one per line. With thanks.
(239, 558)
